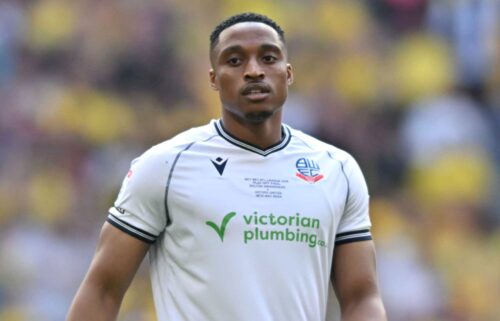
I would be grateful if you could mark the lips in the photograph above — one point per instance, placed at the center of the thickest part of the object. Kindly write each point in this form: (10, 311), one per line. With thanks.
(255, 89)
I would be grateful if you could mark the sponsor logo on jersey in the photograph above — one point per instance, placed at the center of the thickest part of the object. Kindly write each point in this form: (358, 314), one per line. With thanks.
(270, 227)
(308, 170)
(221, 230)
(220, 164)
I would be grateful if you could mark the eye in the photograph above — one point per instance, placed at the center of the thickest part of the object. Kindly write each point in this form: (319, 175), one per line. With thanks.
(269, 58)
(234, 61)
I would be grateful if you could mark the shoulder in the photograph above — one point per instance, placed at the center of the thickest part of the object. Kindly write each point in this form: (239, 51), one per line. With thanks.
(317, 145)
(180, 142)
(147, 169)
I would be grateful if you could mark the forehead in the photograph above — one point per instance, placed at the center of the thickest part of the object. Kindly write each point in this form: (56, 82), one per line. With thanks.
(242, 33)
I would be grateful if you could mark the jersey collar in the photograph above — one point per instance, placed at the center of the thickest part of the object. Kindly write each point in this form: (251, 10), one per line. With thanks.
(285, 139)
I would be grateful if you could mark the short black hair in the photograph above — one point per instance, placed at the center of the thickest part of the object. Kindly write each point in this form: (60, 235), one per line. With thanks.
(244, 17)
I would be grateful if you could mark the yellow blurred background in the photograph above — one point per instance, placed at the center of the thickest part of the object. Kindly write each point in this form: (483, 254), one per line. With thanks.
(411, 88)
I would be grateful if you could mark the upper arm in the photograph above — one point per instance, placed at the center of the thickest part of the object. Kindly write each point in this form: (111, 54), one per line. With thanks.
(354, 279)
(113, 267)
(117, 258)
(354, 275)
(135, 221)
(353, 270)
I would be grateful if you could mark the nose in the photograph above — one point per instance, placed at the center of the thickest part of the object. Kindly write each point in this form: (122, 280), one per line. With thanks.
(253, 70)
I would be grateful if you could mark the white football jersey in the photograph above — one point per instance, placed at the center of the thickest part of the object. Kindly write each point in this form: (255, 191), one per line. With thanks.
(238, 232)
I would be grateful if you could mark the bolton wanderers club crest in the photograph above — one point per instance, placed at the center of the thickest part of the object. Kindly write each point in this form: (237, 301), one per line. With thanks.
(308, 170)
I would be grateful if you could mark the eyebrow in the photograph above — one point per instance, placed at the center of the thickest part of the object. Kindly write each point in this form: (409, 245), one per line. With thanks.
(238, 48)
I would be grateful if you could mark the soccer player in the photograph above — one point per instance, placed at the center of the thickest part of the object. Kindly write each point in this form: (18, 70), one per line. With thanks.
(244, 218)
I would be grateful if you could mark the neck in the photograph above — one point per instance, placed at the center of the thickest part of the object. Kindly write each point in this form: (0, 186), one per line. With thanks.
(261, 134)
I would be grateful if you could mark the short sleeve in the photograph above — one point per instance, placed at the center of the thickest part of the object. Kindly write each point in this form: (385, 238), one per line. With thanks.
(139, 209)
(355, 222)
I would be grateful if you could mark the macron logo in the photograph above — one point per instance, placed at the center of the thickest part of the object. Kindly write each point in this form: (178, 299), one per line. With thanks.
(219, 164)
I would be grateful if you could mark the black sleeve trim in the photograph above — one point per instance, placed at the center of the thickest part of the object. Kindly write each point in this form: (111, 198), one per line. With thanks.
(353, 236)
(352, 240)
(131, 230)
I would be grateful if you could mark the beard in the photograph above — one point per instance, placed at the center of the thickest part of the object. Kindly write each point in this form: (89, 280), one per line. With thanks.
(258, 117)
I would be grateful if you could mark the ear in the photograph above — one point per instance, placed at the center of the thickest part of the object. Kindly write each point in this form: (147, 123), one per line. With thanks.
(289, 74)
(212, 77)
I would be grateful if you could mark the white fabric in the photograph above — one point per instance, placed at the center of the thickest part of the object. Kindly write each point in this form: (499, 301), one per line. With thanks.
(285, 208)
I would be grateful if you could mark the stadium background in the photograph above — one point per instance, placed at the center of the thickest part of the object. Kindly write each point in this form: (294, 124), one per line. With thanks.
(409, 87)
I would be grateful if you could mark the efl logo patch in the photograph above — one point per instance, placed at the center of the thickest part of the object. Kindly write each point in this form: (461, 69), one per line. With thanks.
(308, 170)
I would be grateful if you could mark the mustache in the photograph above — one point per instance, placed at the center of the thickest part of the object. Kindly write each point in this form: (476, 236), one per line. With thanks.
(260, 86)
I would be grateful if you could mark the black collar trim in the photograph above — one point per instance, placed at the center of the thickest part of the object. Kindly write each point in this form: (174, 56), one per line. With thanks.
(285, 139)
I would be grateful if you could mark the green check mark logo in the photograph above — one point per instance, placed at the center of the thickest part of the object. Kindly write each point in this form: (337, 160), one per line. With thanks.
(222, 229)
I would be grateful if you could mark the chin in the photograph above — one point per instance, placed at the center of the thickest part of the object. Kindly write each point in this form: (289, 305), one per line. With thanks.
(258, 116)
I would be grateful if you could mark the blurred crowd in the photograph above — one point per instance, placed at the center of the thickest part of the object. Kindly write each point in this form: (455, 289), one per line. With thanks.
(411, 88)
